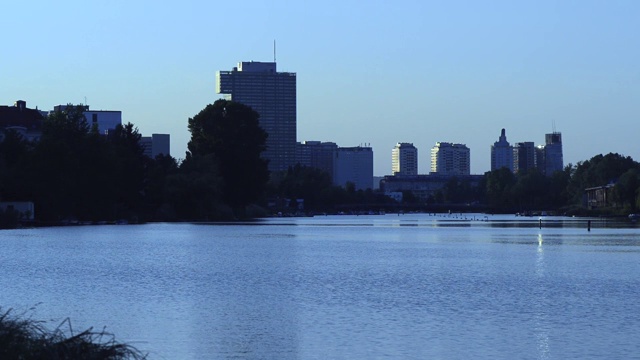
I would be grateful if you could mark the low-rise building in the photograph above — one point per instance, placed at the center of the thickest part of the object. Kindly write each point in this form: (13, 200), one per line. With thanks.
(424, 186)
(24, 209)
(102, 120)
(156, 144)
(599, 197)
(26, 122)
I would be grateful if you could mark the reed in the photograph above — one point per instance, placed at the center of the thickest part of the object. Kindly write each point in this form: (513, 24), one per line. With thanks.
(24, 338)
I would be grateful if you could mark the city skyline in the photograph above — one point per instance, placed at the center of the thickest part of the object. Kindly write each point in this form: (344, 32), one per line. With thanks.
(456, 72)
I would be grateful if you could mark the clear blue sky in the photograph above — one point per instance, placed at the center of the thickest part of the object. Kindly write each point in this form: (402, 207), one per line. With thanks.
(376, 72)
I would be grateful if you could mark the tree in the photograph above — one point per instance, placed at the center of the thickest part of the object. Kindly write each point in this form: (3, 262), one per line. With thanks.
(129, 169)
(499, 184)
(15, 155)
(557, 195)
(194, 192)
(158, 171)
(530, 190)
(600, 170)
(458, 191)
(310, 184)
(80, 174)
(231, 133)
(626, 189)
(67, 159)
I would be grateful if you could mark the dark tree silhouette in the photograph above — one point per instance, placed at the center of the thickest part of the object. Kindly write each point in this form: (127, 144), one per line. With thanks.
(231, 133)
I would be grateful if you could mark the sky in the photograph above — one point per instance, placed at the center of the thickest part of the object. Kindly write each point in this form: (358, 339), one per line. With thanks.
(369, 73)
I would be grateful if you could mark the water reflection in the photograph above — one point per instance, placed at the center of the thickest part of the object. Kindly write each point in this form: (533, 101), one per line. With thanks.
(541, 302)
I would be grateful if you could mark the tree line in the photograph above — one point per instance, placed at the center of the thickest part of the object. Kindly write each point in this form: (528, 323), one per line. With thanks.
(73, 173)
(562, 192)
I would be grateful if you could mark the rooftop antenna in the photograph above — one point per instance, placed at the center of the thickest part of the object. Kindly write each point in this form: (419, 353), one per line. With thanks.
(553, 126)
(274, 50)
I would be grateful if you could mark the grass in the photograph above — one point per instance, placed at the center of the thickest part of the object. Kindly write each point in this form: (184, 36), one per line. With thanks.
(26, 339)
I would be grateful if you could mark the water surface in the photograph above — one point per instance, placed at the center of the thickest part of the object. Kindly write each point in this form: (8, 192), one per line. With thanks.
(340, 287)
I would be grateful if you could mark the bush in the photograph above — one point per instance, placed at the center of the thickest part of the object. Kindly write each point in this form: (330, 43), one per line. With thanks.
(28, 339)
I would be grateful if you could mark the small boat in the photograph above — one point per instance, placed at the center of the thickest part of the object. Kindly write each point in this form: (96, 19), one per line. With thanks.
(634, 217)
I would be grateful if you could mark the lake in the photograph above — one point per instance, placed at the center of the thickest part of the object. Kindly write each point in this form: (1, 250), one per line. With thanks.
(413, 286)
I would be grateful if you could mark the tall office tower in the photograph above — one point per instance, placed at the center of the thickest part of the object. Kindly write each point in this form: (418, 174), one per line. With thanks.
(553, 153)
(404, 159)
(501, 153)
(355, 165)
(524, 156)
(317, 154)
(450, 159)
(273, 95)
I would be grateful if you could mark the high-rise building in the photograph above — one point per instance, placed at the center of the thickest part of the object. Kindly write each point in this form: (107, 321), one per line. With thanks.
(524, 156)
(273, 95)
(355, 165)
(450, 159)
(501, 153)
(553, 160)
(540, 158)
(317, 154)
(404, 159)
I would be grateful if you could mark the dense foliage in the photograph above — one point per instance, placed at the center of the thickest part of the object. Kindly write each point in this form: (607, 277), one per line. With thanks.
(75, 174)
(620, 171)
(320, 195)
(565, 190)
(227, 133)
(525, 191)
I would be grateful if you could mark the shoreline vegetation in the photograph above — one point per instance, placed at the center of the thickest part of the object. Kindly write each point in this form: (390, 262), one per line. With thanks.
(22, 337)
(461, 210)
(73, 175)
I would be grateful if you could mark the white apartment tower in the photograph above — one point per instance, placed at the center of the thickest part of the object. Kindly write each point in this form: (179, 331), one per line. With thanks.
(502, 153)
(272, 95)
(404, 159)
(450, 159)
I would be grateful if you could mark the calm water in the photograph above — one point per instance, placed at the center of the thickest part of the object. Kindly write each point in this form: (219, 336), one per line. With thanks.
(367, 287)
